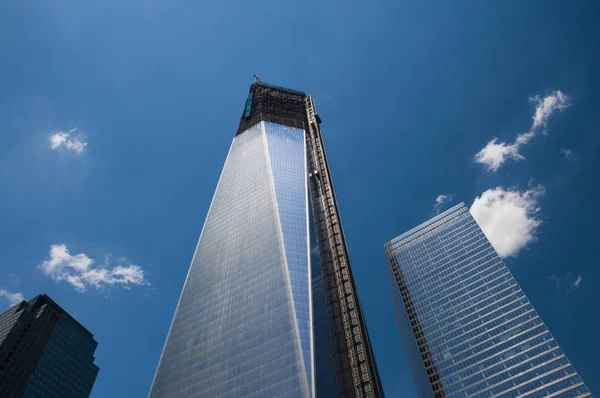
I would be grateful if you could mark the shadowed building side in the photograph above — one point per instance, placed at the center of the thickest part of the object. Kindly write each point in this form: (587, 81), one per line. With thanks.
(44, 352)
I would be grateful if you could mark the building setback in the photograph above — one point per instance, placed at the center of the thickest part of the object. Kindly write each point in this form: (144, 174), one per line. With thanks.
(44, 352)
(467, 327)
(269, 307)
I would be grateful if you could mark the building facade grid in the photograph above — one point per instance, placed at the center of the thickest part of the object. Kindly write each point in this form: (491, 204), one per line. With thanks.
(242, 325)
(269, 306)
(469, 328)
(44, 352)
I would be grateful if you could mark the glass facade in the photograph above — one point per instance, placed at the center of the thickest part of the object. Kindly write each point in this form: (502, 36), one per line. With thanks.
(269, 307)
(66, 367)
(287, 157)
(467, 327)
(44, 352)
(325, 370)
(242, 326)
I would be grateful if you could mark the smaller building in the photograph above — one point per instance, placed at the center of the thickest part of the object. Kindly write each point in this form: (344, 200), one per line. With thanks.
(45, 352)
(467, 327)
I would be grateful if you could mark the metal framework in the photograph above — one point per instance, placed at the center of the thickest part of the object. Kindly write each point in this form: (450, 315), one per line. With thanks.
(355, 368)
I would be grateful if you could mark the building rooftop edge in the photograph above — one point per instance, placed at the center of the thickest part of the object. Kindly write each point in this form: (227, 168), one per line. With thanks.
(275, 87)
(426, 224)
(268, 102)
(53, 303)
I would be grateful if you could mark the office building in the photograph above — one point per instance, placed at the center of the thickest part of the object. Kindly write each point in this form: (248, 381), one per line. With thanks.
(467, 327)
(269, 306)
(44, 352)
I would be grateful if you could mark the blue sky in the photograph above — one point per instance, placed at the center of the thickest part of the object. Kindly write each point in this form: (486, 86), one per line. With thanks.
(148, 94)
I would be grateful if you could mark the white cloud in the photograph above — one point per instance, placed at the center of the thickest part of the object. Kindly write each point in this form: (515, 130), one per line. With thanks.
(68, 141)
(79, 271)
(508, 217)
(440, 201)
(545, 107)
(495, 153)
(13, 298)
(568, 154)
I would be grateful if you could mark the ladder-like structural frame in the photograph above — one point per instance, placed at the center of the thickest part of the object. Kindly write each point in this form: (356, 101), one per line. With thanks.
(356, 370)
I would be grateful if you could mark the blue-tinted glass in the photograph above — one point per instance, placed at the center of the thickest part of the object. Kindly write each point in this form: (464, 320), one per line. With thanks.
(236, 330)
(288, 165)
(248, 108)
(324, 364)
(66, 366)
(468, 327)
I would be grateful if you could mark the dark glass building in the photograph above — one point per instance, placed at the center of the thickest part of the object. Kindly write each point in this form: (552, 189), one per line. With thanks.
(44, 352)
(467, 327)
(269, 306)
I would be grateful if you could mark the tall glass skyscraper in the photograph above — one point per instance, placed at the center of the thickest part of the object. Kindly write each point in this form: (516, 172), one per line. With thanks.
(467, 327)
(269, 306)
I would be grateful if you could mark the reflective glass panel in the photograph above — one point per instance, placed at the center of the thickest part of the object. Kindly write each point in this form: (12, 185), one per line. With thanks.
(235, 332)
(468, 327)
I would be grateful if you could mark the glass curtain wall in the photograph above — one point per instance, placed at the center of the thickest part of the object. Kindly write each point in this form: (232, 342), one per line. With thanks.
(243, 323)
(468, 328)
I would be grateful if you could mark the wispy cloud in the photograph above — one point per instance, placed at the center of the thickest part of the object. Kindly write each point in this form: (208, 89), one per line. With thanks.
(576, 283)
(495, 153)
(80, 272)
(568, 154)
(509, 218)
(13, 298)
(556, 280)
(567, 283)
(545, 107)
(71, 141)
(440, 201)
